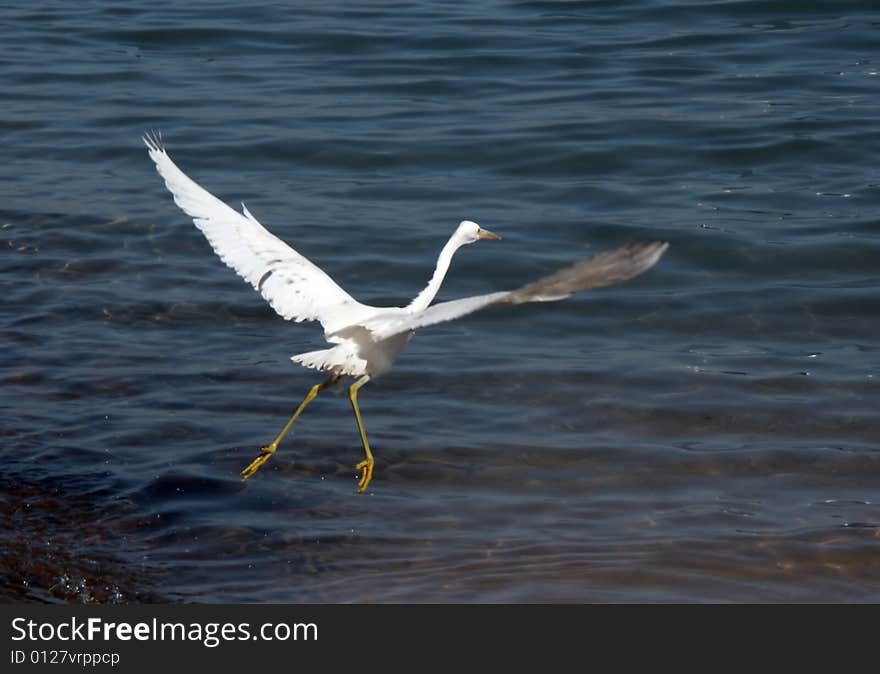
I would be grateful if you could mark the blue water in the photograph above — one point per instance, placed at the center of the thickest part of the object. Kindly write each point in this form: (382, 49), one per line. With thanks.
(706, 432)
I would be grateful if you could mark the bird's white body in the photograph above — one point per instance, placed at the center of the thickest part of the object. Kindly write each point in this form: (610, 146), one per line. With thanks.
(361, 344)
(356, 353)
(366, 340)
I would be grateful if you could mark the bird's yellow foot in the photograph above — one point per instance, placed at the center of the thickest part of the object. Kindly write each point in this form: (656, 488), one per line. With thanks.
(254, 466)
(367, 466)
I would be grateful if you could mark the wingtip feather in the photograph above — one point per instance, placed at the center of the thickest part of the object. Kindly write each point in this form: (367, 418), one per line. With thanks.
(153, 140)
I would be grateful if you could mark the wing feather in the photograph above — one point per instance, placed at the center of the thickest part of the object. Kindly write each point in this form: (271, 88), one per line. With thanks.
(297, 289)
(607, 268)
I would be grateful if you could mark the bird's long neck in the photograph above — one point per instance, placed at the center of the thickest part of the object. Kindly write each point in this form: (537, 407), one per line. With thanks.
(423, 299)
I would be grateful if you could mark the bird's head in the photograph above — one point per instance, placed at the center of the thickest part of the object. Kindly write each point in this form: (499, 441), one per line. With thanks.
(469, 232)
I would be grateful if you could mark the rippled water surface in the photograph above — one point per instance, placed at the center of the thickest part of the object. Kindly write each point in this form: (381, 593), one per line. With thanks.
(706, 432)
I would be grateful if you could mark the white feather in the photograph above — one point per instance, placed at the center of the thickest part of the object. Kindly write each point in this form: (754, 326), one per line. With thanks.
(367, 339)
(383, 327)
(296, 289)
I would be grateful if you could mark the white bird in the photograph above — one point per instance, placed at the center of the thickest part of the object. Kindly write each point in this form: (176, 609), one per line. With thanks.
(367, 340)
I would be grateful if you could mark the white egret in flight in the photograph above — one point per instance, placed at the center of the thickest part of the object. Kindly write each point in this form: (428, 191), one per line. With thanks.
(366, 340)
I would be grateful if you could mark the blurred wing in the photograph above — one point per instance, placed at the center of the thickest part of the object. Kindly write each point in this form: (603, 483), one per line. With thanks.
(614, 266)
(296, 288)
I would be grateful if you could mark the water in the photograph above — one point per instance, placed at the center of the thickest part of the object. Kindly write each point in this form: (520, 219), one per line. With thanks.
(707, 432)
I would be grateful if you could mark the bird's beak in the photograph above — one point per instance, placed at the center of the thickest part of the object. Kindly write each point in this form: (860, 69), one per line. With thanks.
(486, 234)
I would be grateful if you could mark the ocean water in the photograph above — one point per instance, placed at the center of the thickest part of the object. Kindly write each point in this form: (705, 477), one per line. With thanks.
(705, 432)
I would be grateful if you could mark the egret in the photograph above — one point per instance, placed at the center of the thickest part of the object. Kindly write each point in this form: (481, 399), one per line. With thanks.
(366, 340)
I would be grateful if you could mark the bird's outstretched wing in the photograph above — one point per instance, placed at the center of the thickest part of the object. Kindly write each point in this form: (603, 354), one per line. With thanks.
(295, 287)
(607, 268)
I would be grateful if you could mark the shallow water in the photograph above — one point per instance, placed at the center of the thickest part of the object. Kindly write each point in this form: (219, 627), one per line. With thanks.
(706, 432)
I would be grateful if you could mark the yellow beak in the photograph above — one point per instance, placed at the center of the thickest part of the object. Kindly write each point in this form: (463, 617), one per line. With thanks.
(486, 234)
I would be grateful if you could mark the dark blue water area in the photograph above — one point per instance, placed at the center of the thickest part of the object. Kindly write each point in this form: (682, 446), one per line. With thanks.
(705, 432)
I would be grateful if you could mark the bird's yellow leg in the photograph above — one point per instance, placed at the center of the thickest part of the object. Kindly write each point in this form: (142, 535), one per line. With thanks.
(269, 450)
(367, 464)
